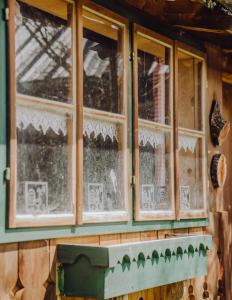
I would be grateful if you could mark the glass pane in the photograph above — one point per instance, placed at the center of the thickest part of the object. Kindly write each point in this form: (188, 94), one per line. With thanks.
(44, 156)
(43, 45)
(153, 81)
(155, 170)
(103, 166)
(191, 172)
(189, 91)
(103, 64)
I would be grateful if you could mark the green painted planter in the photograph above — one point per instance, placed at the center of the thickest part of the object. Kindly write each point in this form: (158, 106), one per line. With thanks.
(106, 272)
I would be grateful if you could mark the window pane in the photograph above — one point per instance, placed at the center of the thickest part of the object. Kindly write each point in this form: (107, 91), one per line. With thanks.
(189, 91)
(191, 172)
(103, 64)
(153, 81)
(155, 170)
(44, 156)
(103, 166)
(43, 45)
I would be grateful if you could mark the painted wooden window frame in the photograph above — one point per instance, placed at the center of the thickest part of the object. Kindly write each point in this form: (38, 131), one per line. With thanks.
(80, 111)
(13, 98)
(168, 43)
(123, 118)
(179, 46)
(175, 47)
(79, 217)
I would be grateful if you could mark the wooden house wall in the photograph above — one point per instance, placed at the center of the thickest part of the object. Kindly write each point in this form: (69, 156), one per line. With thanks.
(27, 269)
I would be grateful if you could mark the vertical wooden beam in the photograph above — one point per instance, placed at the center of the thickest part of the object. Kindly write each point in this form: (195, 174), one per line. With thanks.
(175, 134)
(79, 116)
(9, 272)
(12, 112)
(34, 268)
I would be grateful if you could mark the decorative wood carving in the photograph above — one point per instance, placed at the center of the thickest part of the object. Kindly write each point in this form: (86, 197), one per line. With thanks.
(218, 170)
(219, 128)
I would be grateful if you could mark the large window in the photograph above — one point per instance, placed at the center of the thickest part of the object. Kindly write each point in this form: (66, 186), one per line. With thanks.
(153, 75)
(42, 153)
(70, 156)
(191, 132)
(106, 166)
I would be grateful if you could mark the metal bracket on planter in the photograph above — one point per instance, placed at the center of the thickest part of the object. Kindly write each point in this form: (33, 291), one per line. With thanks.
(111, 271)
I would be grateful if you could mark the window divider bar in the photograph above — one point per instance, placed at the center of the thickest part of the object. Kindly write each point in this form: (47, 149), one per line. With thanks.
(79, 113)
(176, 133)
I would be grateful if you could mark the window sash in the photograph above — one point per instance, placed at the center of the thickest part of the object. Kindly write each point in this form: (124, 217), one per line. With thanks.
(119, 118)
(201, 213)
(27, 220)
(140, 215)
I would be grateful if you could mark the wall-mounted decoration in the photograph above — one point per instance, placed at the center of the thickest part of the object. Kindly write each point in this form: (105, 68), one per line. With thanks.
(94, 271)
(218, 170)
(219, 128)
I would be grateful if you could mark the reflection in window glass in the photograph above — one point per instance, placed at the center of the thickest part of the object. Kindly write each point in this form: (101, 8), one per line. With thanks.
(191, 172)
(189, 91)
(43, 43)
(155, 170)
(103, 64)
(153, 81)
(43, 169)
(103, 167)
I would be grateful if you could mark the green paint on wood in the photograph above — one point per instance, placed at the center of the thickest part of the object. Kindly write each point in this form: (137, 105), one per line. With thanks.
(90, 271)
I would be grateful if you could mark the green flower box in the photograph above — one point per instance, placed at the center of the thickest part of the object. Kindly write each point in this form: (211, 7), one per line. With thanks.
(111, 271)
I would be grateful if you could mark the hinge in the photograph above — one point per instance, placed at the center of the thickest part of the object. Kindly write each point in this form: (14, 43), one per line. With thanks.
(7, 13)
(132, 56)
(132, 180)
(7, 174)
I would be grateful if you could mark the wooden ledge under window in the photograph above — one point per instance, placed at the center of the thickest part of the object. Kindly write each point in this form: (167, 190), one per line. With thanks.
(95, 271)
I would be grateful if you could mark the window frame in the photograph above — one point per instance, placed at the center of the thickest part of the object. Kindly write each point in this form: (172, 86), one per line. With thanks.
(77, 36)
(195, 53)
(122, 118)
(169, 43)
(56, 107)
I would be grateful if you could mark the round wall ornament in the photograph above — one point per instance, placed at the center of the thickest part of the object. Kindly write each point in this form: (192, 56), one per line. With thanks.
(218, 170)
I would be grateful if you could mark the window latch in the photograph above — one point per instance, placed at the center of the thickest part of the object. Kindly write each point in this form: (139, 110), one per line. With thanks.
(132, 56)
(7, 12)
(132, 180)
(7, 174)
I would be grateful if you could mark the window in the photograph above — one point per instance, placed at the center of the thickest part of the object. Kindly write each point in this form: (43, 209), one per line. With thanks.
(153, 75)
(158, 131)
(191, 133)
(69, 119)
(42, 154)
(44, 107)
(106, 167)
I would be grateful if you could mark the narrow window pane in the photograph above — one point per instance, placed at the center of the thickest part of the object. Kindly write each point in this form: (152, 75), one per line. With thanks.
(43, 42)
(189, 91)
(44, 155)
(153, 80)
(191, 164)
(155, 170)
(103, 166)
(103, 64)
